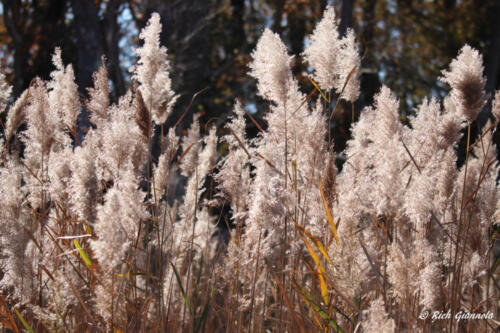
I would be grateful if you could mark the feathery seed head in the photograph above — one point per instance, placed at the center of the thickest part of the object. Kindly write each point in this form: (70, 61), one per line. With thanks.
(152, 72)
(63, 93)
(271, 67)
(387, 106)
(349, 64)
(495, 107)
(5, 91)
(467, 82)
(98, 101)
(323, 52)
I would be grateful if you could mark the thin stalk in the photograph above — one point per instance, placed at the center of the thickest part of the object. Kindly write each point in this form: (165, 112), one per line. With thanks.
(329, 120)
(456, 277)
(285, 243)
(190, 257)
(252, 314)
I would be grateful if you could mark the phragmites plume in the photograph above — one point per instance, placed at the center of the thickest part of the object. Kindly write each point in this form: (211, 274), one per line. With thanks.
(205, 160)
(377, 319)
(5, 91)
(388, 115)
(233, 177)
(16, 115)
(142, 116)
(495, 106)
(271, 67)
(329, 180)
(208, 155)
(191, 145)
(324, 49)
(118, 222)
(83, 184)
(14, 217)
(122, 139)
(98, 101)
(41, 121)
(349, 63)
(63, 93)
(152, 72)
(335, 61)
(164, 169)
(467, 82)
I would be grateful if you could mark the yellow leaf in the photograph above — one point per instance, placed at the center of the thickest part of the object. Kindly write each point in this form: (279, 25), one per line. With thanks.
(329, 215)
(87, 228)
(316, 241)
(319, 89)
(321, 271)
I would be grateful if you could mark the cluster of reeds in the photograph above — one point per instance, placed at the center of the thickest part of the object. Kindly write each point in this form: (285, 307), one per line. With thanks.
(92, 238)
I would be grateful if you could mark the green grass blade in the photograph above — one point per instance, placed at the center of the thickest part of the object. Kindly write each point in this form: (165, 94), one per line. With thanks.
(319, 310)
(197, 286)
(342, 313)
(25, 323)
(495, 265)
(204, 315)
(184, 295)
(84, 256)
(203, 319)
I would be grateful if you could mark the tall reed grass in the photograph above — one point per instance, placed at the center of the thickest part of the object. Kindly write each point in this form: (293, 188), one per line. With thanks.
(400, 240)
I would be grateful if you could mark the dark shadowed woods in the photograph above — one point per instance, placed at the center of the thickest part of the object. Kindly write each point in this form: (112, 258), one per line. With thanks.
(209, 43)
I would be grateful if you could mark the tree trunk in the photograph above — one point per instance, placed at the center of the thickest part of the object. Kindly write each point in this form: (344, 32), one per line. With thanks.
(277, 16)
(35, 32)
(111, 37)
(492, 61)
(89, 38)
(346, 16)
(89, 52)
(370, 83)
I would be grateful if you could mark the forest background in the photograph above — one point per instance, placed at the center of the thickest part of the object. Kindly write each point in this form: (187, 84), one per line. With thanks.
(405, 44)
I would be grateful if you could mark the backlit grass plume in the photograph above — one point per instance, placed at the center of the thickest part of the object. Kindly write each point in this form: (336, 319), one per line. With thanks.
(272, 233)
